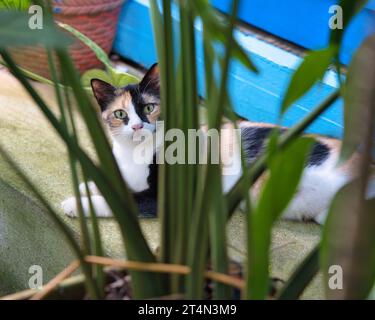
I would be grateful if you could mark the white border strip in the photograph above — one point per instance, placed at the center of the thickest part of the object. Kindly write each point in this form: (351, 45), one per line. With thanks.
(278, 55)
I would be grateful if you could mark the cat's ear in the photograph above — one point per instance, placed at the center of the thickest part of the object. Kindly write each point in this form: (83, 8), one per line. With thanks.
(103, 92)
(151, 80)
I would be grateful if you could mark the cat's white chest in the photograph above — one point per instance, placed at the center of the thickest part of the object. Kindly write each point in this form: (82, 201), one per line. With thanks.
(135, 174)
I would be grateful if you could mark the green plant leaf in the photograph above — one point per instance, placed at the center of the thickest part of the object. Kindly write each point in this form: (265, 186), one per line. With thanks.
(348, 237)
(121, 79)
(308, 73)
(359, 98)
(99, 52)
(15, 31)
(349, 242)
(301, 277)
(349, 9)
(216, 29)
(118, 79)
(285, 169)
(15, 4)
(54, 216)
(94, 74)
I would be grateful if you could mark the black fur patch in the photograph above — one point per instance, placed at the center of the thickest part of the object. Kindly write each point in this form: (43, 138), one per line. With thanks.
(319, 154)
(104, 93)
(137, 101)
(253, 143)
(253, 139)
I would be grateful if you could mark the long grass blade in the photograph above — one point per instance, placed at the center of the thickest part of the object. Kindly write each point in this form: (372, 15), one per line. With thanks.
(98, 272)
(73, 168)
(301, 277)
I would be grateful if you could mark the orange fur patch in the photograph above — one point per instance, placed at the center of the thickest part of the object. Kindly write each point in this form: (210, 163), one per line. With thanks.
(121, 102)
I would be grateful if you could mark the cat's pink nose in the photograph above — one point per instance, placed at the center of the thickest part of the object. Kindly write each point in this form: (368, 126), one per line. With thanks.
(137, 126)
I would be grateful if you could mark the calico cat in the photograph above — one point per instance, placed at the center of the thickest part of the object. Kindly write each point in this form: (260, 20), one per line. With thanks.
(129, 110)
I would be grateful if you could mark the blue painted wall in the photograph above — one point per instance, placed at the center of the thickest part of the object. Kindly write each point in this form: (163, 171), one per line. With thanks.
(304, 22)
(255, 97)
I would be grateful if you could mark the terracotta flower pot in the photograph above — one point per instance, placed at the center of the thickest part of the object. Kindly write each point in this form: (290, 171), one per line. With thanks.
(96, 19)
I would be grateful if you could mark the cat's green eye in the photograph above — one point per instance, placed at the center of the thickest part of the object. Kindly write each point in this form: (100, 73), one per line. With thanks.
(120, 114)
(149, 108)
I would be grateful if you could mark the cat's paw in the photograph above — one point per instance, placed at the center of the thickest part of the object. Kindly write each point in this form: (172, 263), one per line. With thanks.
(91, 186)
(69, 207)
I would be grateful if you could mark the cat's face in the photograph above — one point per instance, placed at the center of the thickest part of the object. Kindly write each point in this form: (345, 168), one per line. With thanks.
(129, 110)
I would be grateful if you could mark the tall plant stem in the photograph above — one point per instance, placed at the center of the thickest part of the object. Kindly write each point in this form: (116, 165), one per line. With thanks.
(206, 213)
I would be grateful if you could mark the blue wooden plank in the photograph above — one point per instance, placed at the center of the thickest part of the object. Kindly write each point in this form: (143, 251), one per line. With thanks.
(134, 39)
(304, 22)
(255, 97)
